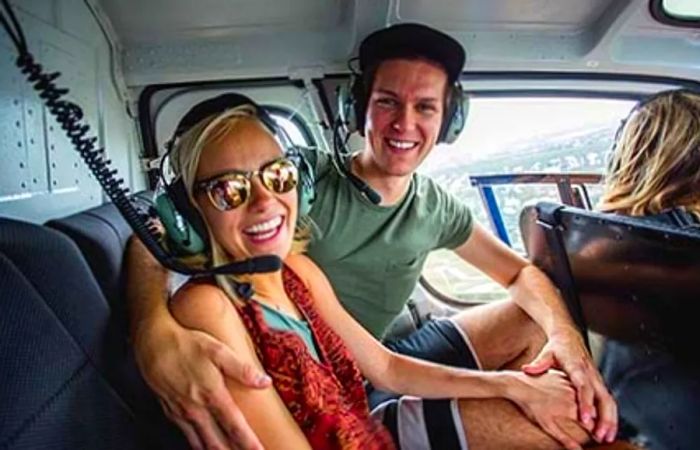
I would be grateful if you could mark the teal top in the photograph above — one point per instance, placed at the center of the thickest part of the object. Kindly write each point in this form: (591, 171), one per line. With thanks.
(373, 255)
(278, 320)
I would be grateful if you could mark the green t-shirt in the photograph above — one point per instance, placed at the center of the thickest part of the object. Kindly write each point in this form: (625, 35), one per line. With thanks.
(373, 255)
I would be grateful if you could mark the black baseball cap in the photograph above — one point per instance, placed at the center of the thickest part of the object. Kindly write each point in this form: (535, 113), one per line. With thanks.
(411, 40)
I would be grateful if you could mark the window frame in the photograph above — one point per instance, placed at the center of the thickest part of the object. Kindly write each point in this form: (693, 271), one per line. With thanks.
(622, 93)
(659, 13)
(296, 119)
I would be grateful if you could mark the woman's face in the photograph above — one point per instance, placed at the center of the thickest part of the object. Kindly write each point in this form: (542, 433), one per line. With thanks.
(264, 223)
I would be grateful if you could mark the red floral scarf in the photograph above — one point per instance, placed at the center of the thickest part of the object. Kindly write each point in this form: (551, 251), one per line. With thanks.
(326, 398)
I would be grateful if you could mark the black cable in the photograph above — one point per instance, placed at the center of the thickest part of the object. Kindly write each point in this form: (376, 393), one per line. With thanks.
(71, 118)
(341, 159)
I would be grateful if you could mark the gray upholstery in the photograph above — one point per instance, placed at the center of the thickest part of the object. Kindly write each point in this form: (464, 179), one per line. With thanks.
(67, 376)
(101, 233)
(54, 336)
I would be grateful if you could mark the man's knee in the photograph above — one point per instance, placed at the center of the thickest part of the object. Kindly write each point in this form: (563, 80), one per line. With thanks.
(498, 424)
(500, 333)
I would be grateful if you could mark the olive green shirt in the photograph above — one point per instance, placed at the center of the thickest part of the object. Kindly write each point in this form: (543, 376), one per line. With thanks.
(373, 255)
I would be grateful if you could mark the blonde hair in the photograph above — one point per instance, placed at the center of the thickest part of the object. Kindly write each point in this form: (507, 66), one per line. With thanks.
(184, 161)
(655, 163)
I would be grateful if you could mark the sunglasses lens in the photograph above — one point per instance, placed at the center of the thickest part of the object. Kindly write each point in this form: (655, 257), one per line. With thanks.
(229, 193)
(280, 176)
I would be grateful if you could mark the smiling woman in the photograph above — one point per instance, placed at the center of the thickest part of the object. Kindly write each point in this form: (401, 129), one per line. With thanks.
(538, 76)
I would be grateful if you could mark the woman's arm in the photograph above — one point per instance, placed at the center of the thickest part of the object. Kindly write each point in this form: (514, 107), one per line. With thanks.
(206, 308)
(542, 398)
(385, 369)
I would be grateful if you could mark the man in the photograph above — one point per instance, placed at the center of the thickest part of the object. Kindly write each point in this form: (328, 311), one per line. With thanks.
(373, 255)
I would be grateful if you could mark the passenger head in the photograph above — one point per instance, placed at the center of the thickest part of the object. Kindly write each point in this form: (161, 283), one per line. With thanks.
(408, 73)
(655, 163)
(233, 173)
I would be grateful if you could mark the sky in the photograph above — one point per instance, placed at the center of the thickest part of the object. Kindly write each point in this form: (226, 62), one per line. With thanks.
(495, 124)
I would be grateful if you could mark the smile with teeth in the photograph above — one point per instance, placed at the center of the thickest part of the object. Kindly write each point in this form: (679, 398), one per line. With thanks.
(263, 231)
(401, 145)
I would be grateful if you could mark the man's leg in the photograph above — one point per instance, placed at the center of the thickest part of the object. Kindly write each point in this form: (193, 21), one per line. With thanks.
(499, 425)
(501, 335)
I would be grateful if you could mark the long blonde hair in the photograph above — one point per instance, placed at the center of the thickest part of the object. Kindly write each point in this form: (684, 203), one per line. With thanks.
(655, 163)
(184, 160)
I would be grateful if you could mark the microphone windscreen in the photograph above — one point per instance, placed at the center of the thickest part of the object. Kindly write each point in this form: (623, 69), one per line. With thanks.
(258, 264)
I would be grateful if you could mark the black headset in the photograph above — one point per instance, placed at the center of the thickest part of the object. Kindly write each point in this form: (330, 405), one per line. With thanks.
(352, 109)
(185, 230)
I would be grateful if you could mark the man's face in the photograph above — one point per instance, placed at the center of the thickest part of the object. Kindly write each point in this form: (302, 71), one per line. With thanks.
(404, 114)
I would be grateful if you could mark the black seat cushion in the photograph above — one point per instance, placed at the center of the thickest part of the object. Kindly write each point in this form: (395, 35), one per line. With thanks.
(53, 325)
(67, 378)
(101, 233)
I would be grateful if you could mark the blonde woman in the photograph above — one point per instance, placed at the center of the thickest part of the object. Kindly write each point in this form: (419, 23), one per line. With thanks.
(654, 172)
(655, 165)
(294, 328)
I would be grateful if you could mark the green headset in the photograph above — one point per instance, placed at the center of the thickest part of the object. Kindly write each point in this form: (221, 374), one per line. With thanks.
(184, 227)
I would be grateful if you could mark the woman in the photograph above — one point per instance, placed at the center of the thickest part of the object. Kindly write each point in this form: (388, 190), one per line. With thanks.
(654, 172)
(236, 175)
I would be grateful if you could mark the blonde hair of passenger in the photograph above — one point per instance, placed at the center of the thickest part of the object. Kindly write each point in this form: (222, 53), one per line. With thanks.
(655, 164)
(184, 161)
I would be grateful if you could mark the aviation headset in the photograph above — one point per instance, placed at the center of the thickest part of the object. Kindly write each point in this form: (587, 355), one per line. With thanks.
(353, 102)
(184, 226)
(398, 41)
(407, 40)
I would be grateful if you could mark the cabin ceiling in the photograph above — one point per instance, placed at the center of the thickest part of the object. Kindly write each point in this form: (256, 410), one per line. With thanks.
(181, 40)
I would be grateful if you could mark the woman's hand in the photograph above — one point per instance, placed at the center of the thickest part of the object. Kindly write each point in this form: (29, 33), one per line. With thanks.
(548, 400)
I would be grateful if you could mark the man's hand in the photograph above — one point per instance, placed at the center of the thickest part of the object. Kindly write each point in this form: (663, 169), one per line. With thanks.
(548, 400)
(186, 368)
(597, 408)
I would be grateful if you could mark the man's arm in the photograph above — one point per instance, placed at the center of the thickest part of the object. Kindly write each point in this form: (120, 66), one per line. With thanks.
(185, 367)
(532, 290)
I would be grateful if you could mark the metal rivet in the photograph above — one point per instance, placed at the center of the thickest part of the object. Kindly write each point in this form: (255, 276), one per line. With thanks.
(21, 165)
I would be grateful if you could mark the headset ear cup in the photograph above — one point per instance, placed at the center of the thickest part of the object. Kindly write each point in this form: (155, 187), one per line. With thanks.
(359, 103)
(456, 113)
(184, 226)
(306, 189)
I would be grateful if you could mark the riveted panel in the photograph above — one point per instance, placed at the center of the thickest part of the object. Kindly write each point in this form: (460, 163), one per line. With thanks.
(14, 166)
(66, 171)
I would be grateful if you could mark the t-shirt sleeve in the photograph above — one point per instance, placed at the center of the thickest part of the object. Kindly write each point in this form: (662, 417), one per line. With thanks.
(455, 219)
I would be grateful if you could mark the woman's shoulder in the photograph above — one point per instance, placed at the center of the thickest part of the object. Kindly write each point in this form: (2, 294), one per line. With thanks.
(198, 303)
(304, 268)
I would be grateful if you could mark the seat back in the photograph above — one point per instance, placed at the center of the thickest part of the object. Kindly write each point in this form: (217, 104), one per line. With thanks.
(68, 378)
(101, 234)
(54, 341)
(629, 278)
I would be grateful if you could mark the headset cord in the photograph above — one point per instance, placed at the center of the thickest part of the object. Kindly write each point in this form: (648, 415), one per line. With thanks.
(70, 116)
